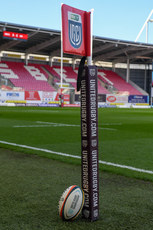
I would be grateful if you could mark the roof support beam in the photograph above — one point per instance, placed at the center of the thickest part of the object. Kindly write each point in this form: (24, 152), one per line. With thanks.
(135, 55)
(43, 45)
(128, 71)
(115, 53)
(102, 48)
(56, 53)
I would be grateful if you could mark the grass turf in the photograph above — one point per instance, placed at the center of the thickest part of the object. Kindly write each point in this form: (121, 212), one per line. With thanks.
(125, 135)
(31, 187)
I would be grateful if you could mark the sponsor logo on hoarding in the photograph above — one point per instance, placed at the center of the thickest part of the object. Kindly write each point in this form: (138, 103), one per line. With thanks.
(12, 94)
(32, 95)
(138, 99)
(111, 98)
(47, 94)
(14, 101)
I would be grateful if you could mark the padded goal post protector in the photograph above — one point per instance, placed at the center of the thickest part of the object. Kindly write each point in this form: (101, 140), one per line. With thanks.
(89, 143)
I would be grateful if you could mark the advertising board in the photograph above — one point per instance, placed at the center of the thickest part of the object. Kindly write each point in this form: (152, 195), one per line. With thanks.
(138, 99)
(112, 98)
(12, 95)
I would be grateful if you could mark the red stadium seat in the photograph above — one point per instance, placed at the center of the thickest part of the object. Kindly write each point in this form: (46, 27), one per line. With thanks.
(119, 83)
(29, 79)
(36, 76)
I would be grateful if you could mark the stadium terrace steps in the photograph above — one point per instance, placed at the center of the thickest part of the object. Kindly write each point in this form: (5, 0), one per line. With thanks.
(70, 77)
(119, 83)
(30, 77)
(34, 77)
(101, 89)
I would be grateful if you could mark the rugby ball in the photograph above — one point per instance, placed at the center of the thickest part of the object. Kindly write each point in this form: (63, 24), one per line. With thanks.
(71, 203)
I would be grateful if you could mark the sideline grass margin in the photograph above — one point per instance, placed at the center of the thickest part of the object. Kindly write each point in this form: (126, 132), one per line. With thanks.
(77, 157)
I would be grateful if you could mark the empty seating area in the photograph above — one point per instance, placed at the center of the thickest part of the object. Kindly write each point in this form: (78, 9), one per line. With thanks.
(35, 77)
(118, 83)
(109, 78)
(69, 76)
(29, 77)
(101, 89)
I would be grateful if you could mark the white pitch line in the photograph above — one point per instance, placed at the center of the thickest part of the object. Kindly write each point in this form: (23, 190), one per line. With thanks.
(107, 129)
(112, 123)
(56, 124)
(52, 124)
(60, 124)
(126, 167)
(39, 149)
(31, 126)
(46, 124)
(78, 157)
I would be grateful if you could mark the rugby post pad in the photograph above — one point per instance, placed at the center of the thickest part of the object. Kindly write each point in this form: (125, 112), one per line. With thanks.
(89, 143)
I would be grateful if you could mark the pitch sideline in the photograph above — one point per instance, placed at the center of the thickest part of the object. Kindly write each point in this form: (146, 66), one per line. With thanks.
(77, 157)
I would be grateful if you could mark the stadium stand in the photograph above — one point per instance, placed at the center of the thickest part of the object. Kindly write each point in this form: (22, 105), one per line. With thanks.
(117, 83)
(43, 47)
(30, 77)
(101, 89)
(36, 77)
(69, 76)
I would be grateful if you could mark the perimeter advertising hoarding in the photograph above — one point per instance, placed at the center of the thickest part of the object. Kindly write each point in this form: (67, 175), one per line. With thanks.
(11, 95)
(47, 97)
(138, 99)
(112, 98)
(32, 96)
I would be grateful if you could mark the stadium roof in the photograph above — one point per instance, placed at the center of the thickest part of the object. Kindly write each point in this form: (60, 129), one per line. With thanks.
(44, 41)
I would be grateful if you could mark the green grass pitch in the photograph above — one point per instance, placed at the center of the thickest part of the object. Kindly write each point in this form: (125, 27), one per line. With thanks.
(125, 135)
(31, 185)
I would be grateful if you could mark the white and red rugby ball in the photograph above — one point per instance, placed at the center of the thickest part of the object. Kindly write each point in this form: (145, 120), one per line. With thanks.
(71, 202)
